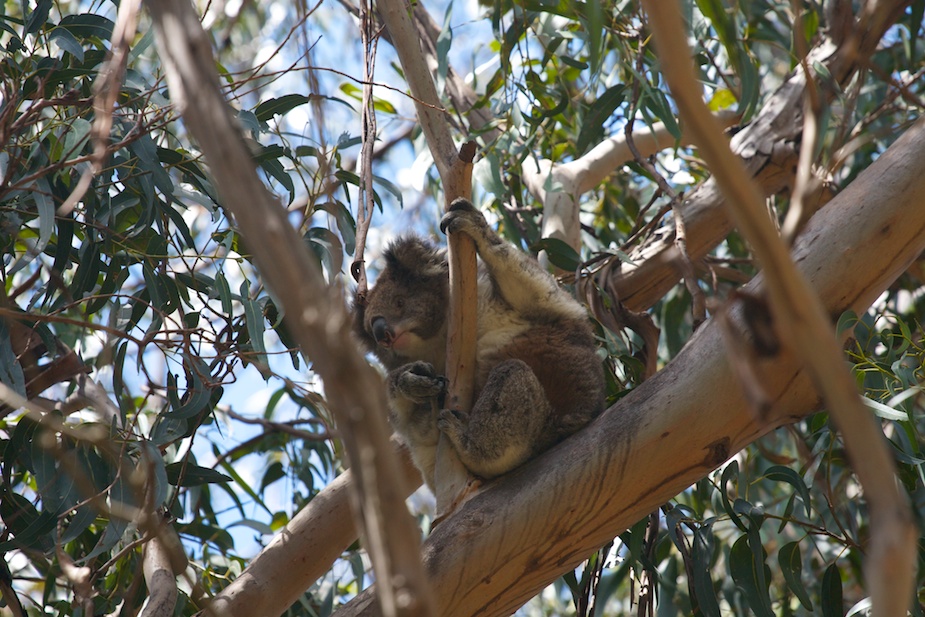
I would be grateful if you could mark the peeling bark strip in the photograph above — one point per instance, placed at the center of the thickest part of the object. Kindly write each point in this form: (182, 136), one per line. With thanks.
(500, 548)
(315, 315)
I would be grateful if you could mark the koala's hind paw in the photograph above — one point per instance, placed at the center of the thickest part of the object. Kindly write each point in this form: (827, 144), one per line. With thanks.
(453, 423)
(418, 382)
(462, 216)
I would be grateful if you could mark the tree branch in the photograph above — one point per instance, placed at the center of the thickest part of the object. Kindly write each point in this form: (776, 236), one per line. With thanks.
(302, 552)
(455, 169)
(316, 316)
(769, 147)
(803, 324)
(529, 526)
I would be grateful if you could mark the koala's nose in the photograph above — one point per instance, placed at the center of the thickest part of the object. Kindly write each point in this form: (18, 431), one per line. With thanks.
(380, 330)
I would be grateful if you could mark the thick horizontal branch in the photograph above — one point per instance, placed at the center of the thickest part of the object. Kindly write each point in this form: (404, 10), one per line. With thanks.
(802, 324)
(768, 146)
(532, 525)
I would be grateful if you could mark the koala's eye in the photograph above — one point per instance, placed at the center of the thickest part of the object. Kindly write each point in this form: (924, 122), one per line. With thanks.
(400, 304)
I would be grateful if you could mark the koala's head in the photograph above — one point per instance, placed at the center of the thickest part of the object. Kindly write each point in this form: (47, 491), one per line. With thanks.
(404, 317)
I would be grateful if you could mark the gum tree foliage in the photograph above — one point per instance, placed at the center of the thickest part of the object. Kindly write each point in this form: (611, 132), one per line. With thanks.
(137, 327)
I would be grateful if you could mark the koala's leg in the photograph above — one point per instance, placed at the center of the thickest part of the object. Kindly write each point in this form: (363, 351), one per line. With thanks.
(416, 395)
(518, 278)
(506, 425)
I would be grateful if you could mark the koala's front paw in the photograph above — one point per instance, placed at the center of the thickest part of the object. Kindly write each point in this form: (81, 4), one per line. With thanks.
(417, 381)
(462, 216)
(453, 423)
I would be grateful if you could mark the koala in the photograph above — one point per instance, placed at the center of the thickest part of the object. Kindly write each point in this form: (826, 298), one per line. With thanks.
(538, 377)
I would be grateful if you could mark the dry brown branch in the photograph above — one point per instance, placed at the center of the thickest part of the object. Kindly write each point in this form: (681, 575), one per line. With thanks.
(528, 527)
(803, 324)
(315, 315)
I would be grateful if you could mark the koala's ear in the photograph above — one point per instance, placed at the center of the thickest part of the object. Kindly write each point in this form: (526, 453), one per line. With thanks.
(415, 256)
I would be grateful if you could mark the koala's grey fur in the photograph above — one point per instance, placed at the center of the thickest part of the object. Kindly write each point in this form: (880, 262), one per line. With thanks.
(538, 378)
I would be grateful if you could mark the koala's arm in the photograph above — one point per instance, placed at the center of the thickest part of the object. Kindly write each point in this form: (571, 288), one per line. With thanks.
(518, 278)
(416, 395)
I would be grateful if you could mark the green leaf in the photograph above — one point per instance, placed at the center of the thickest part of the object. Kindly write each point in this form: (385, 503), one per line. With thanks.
(832, 603)
(884, 411)
(275, 169)
(391, 188)
(594, 22)
(193, 475)
(846, 321)
(224, 292)
(146, 151)
(779, 473)
(253, 316)
(279, 106)
(11, 374)
(750, 577)
(656, 101)
(197, 393)
(121, 493)
(723, 98)
(559, 252)
(67, 42)
(345, 223)
(76, 136)
(88, 26)
(327, 247)
(732, 469)
(601, 110)
(38, 16)
(31, 529)
(701, 555)
(78, 523)
(791, 565)
(444, 40)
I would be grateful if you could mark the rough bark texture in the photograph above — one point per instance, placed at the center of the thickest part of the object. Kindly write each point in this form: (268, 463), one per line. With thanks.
(529, 527)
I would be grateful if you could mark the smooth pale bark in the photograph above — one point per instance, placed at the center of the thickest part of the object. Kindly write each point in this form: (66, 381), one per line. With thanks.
(801, 321)
(558, 186)
(527, 528)
(314, 313)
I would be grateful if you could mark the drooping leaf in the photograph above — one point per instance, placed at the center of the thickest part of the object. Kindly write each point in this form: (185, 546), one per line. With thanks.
(188, 474)
(560, 253)
(779, 473)
(701, 555)
(269, 108)
(750, 577)
(831, 600)
(600, 111)
(791, 564)
(88, 26)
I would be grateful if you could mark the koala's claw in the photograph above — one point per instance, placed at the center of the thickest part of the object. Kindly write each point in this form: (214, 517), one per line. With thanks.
(461, 215)
(452, 421)
(418, 381)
